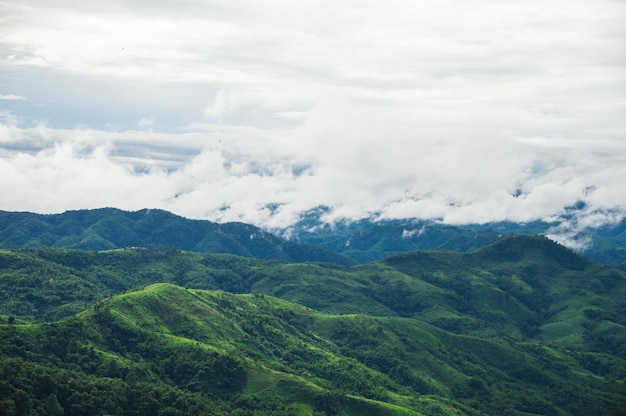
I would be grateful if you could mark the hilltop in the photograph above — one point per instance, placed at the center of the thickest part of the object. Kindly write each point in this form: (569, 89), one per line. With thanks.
(110, 228)
(372, 239)
(168, 350)
(518, 326)
(518, 286)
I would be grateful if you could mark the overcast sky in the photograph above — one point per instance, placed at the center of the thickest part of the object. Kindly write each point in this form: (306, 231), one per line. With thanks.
(465, 111)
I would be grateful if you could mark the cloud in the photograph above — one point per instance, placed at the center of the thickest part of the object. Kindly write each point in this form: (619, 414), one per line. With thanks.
(145, 123)
(65, 176)
(11, 97)
(258, 111)
(265, 181)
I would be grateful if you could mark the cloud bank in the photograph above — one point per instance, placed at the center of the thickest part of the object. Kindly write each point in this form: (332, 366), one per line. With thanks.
(463, 112)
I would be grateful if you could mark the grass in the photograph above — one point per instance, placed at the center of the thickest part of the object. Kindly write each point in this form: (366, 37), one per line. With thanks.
(357, 363)
(415, 334)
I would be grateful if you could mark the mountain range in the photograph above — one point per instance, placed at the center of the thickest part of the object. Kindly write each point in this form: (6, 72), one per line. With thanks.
(373, 239)
(310, 239)
(520, 326)
(110, 228)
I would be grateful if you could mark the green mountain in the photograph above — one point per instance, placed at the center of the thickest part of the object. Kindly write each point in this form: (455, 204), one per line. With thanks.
(110, 228)
(370, 240)
(310, 239)
(518, 286)
(520, 326)
(167, 350)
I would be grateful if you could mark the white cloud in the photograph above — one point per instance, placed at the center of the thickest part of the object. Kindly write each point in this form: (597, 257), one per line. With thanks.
(145, 123)
(11, 97)
(255, 111)
(239, 177)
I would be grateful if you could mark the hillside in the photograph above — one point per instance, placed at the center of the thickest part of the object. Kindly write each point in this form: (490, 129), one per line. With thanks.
(168, 350)
(109, 228)
(519, 326)
(368, 240)
(309, 240)
(524, 287)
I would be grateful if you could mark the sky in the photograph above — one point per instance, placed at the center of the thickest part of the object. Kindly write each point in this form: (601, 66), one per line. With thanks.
(459, 111)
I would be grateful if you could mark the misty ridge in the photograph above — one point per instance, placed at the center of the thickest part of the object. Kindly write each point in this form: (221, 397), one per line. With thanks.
(309, 239)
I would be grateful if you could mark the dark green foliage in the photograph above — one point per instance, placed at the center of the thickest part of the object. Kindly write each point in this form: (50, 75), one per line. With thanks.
(519, 327)
(53, 407)
(367, 240)
(32, 388)
(137, 354)
(109, 228)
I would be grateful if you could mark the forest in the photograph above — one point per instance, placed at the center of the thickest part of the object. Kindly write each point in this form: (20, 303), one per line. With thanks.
(520, 326)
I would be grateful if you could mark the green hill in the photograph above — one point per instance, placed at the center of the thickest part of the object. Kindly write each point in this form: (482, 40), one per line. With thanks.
(110, 228)
(169, 350)
(371, 239)
(520, 326)
(518, 286)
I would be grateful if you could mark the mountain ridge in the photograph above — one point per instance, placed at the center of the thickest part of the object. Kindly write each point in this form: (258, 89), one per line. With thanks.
(310, 239)
(520, 326)
(547, 292)
(375, 238)
(110, 228)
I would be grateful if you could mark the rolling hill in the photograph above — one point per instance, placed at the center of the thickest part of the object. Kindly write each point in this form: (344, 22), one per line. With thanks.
(110, 228)
(310, 239)
(165, 349)
(370, 240)
(520, 326)
(518, 286)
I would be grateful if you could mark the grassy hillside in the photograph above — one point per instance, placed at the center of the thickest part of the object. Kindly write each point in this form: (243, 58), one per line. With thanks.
(522, 287)
(520, 326)
(109, 228)
(169, 350)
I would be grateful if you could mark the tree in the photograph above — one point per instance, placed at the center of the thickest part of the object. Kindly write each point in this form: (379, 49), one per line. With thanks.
(53, 407)
(131, 377)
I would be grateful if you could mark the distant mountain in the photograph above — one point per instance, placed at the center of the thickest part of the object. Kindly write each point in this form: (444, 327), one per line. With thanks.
(311, 239)
(109, 228)
(370, 240)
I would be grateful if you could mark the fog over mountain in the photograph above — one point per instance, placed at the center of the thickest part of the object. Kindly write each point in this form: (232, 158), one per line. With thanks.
(261, 111)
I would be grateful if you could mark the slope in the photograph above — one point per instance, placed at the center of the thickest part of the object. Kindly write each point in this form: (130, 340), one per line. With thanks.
(109, 228)
(529, 286)
(523, 287)
(211, 352)
(370, 240)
